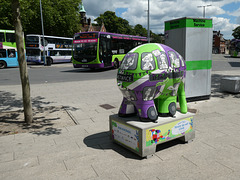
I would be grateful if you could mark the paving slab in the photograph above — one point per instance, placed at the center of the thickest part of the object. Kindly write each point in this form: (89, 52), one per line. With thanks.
(85, 150)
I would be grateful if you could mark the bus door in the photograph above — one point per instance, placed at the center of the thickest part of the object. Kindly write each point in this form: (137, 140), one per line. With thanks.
(12, 57)
(106, 51)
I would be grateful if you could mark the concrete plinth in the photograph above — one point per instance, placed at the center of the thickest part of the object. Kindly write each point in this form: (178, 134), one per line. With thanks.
(230, 84)
(143, 137)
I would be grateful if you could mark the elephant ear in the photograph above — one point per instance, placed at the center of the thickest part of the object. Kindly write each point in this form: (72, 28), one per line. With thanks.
(162, 83)
(170, 88)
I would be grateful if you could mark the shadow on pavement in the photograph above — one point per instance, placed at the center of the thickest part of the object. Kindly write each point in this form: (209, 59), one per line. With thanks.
(102, 141)
(169, 144)
(88, 70)
(9, 101)
(234, 64)
(47, 119)
(227, 56)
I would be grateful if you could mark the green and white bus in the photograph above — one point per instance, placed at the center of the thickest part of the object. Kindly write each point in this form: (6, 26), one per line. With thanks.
(8, 49)
(102, 49)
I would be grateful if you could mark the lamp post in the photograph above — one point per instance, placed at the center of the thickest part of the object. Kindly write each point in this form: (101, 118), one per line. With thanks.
(44, 55)
(204, 9)
(148, 22)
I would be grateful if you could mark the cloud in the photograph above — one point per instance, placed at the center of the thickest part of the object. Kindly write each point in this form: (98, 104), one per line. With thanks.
(163, 10)
(97, 7)
(224, 26)
(235, 13)
(238, 20)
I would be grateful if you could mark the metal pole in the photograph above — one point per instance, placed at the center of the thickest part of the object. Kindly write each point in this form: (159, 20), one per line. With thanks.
(204, 11)
(44, 55)
(148, 22)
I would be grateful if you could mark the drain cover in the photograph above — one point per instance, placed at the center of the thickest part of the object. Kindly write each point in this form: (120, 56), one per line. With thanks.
(107, 106)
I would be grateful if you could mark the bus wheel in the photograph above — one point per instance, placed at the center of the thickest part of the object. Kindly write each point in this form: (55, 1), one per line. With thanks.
(172, 108)
(3, 64)
(152, 113)
(116, 63)
(49, 61)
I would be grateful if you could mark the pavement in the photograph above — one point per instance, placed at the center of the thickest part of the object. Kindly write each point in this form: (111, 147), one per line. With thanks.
(85, 151)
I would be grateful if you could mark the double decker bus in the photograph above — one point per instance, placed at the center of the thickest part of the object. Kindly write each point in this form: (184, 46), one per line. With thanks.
(234, 49)
(57, 49)
(102, 49)
(8, 49)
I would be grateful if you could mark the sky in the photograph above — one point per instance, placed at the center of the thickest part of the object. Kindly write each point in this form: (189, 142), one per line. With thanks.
(224, 13)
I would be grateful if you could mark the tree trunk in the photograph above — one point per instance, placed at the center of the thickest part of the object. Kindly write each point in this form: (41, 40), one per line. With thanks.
(27, 105)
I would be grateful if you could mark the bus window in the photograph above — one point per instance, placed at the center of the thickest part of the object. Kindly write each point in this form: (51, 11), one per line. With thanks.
(3, 53)
(57, 53)
(161, 59)
(175, 62)
(114, 46)
(45, 41)
(181, 59)
(33, 52)
(51, 53)
(121, 46)
(10, 37)
(2, 39)
(148, 62)
(128, 46)
(129, 61)
(32, 39)
(11, 53)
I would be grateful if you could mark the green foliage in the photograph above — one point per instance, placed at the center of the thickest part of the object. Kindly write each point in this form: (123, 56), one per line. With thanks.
(157, 38)
(119, 25)
(113, 23)
(140, 30)
(60, 17)
(236, 33)
(6, 15)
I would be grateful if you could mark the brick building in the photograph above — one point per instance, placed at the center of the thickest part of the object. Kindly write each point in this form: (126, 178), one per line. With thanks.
(86, 25)
(219, 46)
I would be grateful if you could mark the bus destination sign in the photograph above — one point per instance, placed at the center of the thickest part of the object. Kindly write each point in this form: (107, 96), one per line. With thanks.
(32, 45)
(85, 41)
(88, 36)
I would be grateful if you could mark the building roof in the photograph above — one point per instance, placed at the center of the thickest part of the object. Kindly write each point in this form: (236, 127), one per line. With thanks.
(90, 28)
(81, 7)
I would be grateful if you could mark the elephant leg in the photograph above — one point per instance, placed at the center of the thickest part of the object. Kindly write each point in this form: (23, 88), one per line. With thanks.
(126, 109)
(147, 111)
(182, 98)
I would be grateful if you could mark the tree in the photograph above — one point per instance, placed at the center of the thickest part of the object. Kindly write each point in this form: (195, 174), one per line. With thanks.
(61, 17)
(109, 19)
(113, 23)
(5, 16)
(156, 38)
(123, 26)
(27, 105)
(236, 33)
(140, 30)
